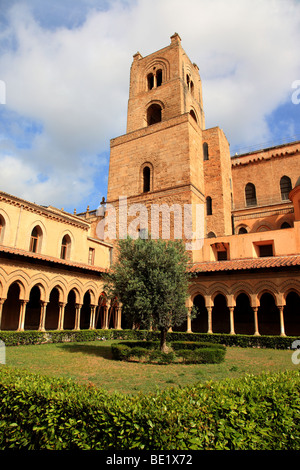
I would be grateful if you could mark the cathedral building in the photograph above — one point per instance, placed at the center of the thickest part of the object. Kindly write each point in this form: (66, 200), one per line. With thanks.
(169, 177)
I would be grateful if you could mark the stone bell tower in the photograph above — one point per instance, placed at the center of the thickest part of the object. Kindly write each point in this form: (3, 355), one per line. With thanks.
(160, 159)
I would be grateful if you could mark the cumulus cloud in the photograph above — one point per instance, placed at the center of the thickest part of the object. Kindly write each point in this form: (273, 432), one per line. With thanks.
(66, 71)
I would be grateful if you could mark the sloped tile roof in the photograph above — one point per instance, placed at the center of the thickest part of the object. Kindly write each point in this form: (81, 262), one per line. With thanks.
(246, 264)
(50, 259)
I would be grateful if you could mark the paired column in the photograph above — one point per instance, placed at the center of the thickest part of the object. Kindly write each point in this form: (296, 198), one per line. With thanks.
(1, 309)
(42, 316)
(23, 304)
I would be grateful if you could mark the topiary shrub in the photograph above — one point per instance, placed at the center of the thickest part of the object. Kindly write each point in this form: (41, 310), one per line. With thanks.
(187, 352)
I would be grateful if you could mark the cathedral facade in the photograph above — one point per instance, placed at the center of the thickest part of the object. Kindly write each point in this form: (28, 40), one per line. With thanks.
(169, 177)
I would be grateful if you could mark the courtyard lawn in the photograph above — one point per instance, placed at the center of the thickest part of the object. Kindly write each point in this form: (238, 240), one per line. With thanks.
(91, 363)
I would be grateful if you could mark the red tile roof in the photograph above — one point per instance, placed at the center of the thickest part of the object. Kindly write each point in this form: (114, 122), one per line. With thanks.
(51, 259)
(246, 264)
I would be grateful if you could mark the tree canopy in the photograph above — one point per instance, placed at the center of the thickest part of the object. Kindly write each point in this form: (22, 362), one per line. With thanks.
(150, 279)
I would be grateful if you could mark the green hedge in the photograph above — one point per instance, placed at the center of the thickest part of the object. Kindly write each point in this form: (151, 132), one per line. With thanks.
(250, 413)
(189, 352)
(15, 338)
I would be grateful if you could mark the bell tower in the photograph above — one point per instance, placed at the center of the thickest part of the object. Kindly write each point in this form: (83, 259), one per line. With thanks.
(164, 85)
(159, 162)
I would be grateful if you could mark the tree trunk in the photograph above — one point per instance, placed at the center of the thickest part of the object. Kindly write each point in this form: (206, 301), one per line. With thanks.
(163, 340)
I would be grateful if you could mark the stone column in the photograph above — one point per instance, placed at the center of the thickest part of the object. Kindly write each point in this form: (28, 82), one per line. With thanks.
(92, 318)
(23, 304)
(1, 309)
(209, 313)
(282, 329)
(77, 316)
(189, 321)
(119, 318)
(256, 332)
(42, 316)
(231, 313)
(105, 317)
(61, 316)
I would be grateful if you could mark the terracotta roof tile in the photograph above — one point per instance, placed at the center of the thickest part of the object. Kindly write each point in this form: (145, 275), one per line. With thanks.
(52, 259)
(246, 264)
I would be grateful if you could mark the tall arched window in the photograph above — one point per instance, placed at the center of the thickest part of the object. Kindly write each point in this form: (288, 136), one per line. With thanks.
(150, 80)
(205, 151)
(208, 206)
(159, 78)
(146, 179)
(192, 113)
(35, 239)
(2, 228)
(285, 187)
(250, 195)
(65, 247)
(153, 114)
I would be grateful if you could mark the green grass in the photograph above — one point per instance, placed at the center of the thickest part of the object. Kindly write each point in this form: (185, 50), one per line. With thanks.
(92, 363)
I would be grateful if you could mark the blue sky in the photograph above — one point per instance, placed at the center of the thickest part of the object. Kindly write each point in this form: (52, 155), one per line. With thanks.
(66, 64)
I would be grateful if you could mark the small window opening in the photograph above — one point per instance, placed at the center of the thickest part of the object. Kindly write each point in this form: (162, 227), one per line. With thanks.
(146, 179)
(205, 151)
(159, 78)
(65, 247)
(2, 226)
(250, 194)
(208, 206)
(35, 240)
(285, 225)
(192, 88)
(285, 187)
(222, 255)
(150, 79)
(242, 230)
(265, 250)
(153, 114)
(193, 115)
(211, 235)
(91, 256)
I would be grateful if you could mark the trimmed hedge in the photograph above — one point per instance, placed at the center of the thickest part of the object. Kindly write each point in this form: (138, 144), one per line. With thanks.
(250, 413)
(15, 338)
(181, 351)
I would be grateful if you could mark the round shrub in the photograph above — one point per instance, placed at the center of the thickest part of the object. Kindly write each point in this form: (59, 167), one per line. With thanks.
(187, 352)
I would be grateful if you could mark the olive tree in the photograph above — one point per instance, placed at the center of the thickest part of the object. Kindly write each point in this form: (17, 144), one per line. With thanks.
(150, 279)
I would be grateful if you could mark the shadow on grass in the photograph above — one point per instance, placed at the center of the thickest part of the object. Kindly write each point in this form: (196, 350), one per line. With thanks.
(93, 350)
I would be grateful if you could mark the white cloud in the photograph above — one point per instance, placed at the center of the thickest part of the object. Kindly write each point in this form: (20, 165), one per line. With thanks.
(74, 82)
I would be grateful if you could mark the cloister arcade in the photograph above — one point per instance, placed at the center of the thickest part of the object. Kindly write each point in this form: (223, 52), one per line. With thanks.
(37, 307)
(251, 310)
(261, 309)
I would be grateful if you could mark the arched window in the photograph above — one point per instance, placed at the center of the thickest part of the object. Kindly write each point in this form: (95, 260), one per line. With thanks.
(192, 113)
(65, 247)
(150, 81)
(35, 239)
(2, 228)
(205, 151)
(285, 225)
(208, 206)
(153, 114)
(211, 235)
(285, 187)
(242, 230)
(159, 78)
(250, 194)
(155, 79)
(146, 179)
(192, 88)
